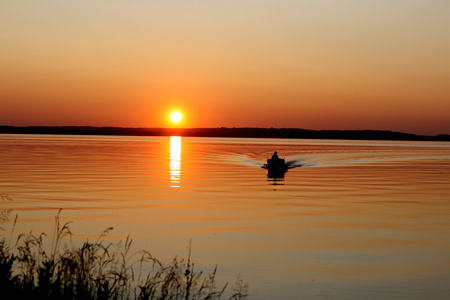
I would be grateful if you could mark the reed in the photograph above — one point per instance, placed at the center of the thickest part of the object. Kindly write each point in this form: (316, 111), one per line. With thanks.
(99, 270)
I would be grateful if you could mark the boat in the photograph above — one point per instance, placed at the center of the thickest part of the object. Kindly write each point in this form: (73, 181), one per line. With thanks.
(276, 167)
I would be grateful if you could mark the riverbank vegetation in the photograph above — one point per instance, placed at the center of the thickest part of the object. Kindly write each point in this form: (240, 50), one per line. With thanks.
(32, 269)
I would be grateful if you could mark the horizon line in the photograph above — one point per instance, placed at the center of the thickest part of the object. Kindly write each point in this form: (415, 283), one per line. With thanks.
(179, 130)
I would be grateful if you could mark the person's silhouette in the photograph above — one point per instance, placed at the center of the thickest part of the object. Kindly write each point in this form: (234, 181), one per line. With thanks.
(275, 156)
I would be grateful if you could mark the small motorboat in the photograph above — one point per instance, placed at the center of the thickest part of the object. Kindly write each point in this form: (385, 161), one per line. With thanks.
(276, 167)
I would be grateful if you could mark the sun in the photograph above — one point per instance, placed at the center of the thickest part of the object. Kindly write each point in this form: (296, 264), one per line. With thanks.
(176, 117)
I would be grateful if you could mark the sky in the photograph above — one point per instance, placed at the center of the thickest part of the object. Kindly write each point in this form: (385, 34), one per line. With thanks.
(312, 64)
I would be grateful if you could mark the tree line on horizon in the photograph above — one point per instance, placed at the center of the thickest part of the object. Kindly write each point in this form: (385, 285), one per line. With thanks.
(246, 132)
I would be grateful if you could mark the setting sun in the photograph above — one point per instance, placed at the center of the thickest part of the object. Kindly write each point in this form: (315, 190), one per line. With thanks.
(175, 117)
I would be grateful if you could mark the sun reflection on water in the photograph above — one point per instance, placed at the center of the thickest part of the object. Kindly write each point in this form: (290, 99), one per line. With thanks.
(175, 161)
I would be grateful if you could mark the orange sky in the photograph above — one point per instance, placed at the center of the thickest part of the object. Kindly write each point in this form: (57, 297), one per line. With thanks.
(305, 64)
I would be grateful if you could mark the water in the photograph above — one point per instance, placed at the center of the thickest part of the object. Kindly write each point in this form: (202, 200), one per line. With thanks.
(350, 220)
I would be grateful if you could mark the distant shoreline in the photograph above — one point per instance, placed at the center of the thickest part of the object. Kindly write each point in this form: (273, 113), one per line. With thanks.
(243, 132)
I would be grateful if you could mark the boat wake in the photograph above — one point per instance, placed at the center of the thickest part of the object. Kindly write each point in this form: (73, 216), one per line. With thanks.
(243, 159)
(326, 160)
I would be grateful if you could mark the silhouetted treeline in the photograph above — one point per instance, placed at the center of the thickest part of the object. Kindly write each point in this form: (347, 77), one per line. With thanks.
(291, 133)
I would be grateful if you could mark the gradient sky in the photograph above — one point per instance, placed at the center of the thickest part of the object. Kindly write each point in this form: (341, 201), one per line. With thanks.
(310, 64)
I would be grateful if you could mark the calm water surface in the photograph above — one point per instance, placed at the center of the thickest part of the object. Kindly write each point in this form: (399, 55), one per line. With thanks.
(357, 220)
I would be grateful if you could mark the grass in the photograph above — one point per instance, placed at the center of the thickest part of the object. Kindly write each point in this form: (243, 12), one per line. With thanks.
(99, 270)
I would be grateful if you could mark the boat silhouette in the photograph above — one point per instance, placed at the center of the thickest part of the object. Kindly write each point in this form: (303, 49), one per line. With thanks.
(276, 167)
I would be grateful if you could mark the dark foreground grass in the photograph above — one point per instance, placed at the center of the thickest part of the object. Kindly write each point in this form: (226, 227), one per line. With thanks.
(99, 270)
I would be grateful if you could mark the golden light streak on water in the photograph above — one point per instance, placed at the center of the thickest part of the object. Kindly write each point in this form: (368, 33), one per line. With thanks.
(175, 161)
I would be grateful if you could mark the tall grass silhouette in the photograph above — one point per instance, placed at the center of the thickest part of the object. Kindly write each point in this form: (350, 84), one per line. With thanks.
(99, 270)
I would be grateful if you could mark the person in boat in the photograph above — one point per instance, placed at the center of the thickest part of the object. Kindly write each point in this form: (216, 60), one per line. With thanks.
(275, 155)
